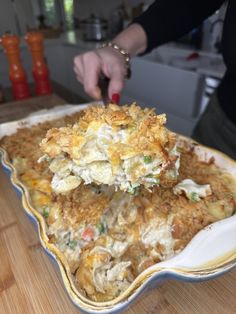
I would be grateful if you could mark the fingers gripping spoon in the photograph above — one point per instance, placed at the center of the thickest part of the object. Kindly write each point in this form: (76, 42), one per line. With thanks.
(103, 84)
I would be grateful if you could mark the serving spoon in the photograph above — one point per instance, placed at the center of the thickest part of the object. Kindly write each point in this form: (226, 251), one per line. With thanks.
(103, 84)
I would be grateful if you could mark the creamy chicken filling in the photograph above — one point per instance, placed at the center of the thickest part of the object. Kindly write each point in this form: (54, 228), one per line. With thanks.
(95, 165)
(192, 190)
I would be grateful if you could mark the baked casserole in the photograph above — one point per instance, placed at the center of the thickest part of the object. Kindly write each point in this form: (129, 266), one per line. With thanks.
(107, 236)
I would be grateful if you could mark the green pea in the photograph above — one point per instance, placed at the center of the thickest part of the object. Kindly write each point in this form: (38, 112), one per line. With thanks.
(45, 213)
(72, 244)
(147, 159)
(101, 227)
(194, 197)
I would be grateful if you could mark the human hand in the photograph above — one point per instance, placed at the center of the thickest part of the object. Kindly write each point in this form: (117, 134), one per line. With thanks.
(90, 65)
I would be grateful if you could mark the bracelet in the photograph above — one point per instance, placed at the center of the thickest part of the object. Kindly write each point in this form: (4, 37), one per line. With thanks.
(124, 53)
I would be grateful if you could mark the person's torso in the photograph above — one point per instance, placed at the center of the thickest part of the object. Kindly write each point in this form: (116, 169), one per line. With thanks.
(227, 88)
(229, 37)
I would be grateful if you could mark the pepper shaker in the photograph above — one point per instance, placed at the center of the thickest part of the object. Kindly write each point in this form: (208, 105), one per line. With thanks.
(40, 70)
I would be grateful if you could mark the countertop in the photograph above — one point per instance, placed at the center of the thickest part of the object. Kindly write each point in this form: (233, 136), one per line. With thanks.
(30, 282)
(75, 39)
(215, 69)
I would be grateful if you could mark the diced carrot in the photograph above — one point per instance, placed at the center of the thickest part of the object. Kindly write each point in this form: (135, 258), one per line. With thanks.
(88, 234)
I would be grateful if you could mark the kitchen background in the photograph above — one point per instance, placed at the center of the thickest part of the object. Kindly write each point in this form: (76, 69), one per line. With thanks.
(177, 78)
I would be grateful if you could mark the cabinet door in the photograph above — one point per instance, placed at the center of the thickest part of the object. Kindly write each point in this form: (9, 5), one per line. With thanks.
(165, 87)
(56, 59)
(60, 58)
(74, 85)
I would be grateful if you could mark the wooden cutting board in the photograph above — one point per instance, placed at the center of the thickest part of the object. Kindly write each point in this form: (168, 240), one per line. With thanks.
(30, 282)
(16, 110)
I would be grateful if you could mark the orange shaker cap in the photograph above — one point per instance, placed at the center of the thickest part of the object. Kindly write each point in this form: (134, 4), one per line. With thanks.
(33, 37)
(9, 40)
(10, 43)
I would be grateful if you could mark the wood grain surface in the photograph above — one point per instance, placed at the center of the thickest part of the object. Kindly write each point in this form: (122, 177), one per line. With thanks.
(16, 110)
(30, 282)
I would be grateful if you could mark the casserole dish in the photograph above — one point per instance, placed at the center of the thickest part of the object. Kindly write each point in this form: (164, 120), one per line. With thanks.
(210, 253)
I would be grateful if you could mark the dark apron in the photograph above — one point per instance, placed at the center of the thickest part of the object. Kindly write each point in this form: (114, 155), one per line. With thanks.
(214, 129)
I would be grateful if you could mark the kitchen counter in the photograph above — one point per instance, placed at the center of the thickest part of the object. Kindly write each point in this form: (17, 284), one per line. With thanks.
(172, 89)
(174, 55)
(75, 39)
(215, 68)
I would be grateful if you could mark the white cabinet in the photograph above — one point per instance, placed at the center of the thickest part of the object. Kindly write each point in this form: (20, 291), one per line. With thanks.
(56, 59)
(60, 61)
(171, 90)
(175, 90)
(74, 85)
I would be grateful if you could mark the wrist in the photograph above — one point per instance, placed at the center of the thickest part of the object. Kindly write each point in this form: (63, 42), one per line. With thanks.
(133, 40)
(123, 53)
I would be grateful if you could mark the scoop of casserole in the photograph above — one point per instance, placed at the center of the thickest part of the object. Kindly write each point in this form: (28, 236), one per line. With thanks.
(124, 146)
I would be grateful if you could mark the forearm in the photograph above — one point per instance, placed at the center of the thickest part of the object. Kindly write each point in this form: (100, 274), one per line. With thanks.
(168, 20)
(133, 39)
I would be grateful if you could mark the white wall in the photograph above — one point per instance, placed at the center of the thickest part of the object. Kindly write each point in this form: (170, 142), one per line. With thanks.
(15, 16)
(7, 22)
